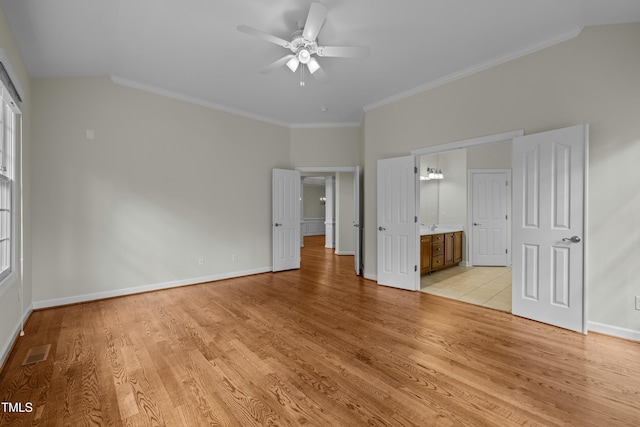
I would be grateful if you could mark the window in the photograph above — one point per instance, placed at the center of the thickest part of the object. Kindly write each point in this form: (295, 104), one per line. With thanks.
(8, 131)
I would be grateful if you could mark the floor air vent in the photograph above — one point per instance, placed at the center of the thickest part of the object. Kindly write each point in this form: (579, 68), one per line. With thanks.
(37, 354)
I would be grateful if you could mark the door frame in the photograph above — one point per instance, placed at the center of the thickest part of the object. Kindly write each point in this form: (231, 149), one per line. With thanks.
(467, 143)
(356, 201)
(471, 172)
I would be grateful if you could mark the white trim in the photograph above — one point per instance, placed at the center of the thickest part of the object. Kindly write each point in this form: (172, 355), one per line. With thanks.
(4, 59)
(334, 169)
(585, 233)
(326, 125)
(345, 252)
(373, 277)
(6, 347)
(145, 288)
(466, 143)
(193, 100)
(615, 331)
(208, 104)
(475, 69)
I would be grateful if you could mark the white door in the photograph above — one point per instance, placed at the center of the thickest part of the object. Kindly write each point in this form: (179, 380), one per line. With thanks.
(356, 221)
(398, 226)
(286, 219)
(489, 217)
(549, 172)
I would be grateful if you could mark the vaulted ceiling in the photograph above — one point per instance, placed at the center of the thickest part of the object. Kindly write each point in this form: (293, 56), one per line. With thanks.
(192, 49)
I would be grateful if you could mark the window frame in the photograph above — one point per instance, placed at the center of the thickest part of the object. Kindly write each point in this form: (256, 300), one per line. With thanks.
(9, 137)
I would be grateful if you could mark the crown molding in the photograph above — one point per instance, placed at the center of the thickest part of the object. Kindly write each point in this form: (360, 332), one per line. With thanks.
(193, 100)
(326, 125)
(201, 102)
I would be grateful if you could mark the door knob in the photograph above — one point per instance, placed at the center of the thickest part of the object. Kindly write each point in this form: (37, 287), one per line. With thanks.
(572, 239)
(278, 224)
(475, 223)
(356, 225)
(381, 228)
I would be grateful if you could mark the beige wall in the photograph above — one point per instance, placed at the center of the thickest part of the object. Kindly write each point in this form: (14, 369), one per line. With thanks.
(11, 307)
(493, 156)
(344, 213)
(312, 207)
(163, 184)
(330, 147)
(590, 79)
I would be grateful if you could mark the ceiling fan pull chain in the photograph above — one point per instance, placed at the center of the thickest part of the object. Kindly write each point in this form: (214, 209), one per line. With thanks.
(302, 75)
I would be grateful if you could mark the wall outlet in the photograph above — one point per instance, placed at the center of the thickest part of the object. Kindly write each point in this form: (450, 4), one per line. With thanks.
(235, 258)
(200, 261)
(637, 302)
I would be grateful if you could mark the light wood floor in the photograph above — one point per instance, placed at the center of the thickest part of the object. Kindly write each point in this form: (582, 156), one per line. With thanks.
(316, 346)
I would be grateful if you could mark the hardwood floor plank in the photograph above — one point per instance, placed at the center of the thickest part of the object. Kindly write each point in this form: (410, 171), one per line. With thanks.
(316, 346)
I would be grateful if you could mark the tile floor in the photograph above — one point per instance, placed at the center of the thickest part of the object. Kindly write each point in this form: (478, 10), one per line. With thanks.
(485, 286)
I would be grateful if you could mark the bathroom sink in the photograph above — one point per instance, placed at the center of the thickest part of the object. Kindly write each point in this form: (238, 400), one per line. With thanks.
(440, 228)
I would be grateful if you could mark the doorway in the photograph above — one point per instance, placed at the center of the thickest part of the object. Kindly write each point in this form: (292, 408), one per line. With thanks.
(341, 203)
(449, 203)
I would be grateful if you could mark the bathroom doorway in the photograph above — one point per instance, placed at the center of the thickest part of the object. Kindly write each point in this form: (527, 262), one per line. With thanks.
(447, 202)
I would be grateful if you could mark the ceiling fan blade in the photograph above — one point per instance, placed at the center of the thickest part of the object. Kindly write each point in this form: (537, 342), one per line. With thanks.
(319, 74)
(262, 35)
(343, 51)
(279, 63)
(315, 19)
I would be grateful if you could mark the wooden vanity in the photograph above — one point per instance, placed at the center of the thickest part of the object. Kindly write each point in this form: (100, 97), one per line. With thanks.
(439, 251)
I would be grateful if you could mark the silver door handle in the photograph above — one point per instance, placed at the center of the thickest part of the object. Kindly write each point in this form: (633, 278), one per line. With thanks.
(356, 225)
(381, 228)
(573, 239)
(475, 223)
(278, 224)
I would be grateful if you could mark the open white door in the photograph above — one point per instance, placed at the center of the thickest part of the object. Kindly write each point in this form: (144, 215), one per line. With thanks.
(490, 192)
(356, 222)
(549, 170)
(398, 227)
(286, 219)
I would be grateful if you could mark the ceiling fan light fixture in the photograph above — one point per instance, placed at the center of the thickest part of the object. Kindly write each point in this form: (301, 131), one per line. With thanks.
(304, 56)
(313, 65)
(293, 64)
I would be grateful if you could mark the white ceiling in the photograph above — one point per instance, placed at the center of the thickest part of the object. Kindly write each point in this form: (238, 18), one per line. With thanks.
(191, 49)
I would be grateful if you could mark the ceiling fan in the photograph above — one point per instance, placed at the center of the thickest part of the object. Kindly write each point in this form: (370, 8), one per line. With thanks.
(304, 46)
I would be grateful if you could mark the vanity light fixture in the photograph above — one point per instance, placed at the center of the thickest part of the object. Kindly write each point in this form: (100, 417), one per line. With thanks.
(432, 174)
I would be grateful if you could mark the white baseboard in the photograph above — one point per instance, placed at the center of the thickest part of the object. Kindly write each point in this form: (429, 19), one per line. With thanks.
(345, 253)
(615, 331)
(6, 347)
(145, 288)
(373, 277)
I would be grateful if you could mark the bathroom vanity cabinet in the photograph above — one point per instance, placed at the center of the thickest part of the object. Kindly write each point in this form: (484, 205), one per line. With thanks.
(439, 251)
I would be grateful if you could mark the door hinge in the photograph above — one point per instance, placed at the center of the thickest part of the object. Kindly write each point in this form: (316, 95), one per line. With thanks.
(415, 169)
(506, 217)
(415, 268)
(506, 183)
(415, 219)
(506, 251)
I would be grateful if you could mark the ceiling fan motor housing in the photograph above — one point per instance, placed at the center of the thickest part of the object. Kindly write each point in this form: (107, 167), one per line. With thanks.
(299, 43)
